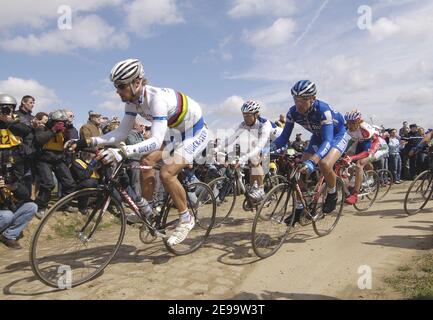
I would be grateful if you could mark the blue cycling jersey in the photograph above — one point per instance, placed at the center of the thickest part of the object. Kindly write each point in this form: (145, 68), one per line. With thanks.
(321, 120)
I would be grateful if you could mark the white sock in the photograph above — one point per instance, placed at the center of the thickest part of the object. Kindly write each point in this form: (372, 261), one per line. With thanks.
(299, 205)
(332, 191)
(185, 217)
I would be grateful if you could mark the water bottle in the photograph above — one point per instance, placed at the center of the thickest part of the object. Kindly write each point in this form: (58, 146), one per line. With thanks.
(192, 196)
(255, 185)
(144, 208)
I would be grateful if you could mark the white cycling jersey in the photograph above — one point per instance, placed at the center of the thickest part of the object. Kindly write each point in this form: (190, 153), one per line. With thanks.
(165, 108)
(263, 131)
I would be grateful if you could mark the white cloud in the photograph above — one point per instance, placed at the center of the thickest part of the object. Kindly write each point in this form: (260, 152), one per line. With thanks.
(278, 34)
(90, 32)
(231, 106)
(45, 97)
(27, 13)
(384, 28)
(416, 97)
(246, 8)
(414, 24)
(112, 105)
(143, 14)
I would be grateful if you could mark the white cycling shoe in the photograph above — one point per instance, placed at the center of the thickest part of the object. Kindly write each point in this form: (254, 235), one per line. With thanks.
(181, 232)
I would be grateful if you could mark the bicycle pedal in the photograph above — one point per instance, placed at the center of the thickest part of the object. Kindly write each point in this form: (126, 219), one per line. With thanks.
(161, 235)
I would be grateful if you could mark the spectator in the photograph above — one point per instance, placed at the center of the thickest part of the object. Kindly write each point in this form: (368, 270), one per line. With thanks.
(422, 161)
(112, 125)
(25, 111)
(28, 150)
(404, 130)
(51, 158)
(12, 133)
(281, 122)
(15, 212)
(414, 138)
(40, 119)
(70, 133)
(85, 174)
(92, 128)
(298, 144)
(135, 136)
(104, 121)
(395, 145)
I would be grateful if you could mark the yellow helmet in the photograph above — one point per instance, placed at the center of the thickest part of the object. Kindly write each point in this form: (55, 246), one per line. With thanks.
(272, 166)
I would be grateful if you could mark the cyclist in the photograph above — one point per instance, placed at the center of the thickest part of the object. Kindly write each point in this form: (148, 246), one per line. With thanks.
(327, 144)
(166, 109)
(262, 131)
(365, 147)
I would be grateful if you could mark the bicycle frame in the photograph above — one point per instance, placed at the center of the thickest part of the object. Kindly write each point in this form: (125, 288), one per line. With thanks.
(312, 206)
(339, 167)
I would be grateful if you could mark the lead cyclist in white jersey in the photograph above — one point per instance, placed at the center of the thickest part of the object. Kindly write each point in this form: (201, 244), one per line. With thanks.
(264, 132)
(165, 108)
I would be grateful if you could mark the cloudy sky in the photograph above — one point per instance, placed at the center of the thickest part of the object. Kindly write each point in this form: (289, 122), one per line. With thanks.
(223, 52)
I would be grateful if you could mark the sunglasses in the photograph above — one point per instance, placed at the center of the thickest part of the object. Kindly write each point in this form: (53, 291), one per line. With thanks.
(120, 86)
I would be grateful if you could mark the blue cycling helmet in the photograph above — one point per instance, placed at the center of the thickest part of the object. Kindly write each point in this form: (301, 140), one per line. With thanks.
(304, 88)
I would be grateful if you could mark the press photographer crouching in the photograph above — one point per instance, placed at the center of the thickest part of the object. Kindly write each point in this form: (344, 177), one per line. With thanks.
(50, 157)
(16, 209)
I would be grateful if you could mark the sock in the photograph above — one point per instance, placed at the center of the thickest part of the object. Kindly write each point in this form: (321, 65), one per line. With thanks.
(332, 191)
(185, 216)
(299, 205)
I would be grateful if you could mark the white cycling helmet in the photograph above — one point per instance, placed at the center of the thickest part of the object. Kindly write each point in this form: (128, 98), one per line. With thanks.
(251, 107)
(353, 115)
(127, 70)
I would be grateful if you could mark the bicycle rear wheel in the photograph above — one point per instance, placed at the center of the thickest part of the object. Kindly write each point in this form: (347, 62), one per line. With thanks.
(419, 193)
(369, 191)
(386, 181)
(202, 204)
(269, 230)
(69, 250)
(224, 191)
(324, 223)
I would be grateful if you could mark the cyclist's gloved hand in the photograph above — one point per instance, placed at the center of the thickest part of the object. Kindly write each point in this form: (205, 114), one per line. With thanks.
(347, 160)
(113, 155)
(78, 144)
(309, 166)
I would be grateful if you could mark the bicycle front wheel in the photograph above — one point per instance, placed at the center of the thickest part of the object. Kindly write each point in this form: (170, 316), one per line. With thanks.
(324, 223)
(270, 229)
(70, 249)
(202, 205)
(419, 193)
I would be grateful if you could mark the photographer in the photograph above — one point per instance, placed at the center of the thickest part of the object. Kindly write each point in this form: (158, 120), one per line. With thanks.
(50, 158)
(11, 134)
